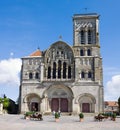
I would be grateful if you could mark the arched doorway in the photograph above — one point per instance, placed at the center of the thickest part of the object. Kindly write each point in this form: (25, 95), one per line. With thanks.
(86, 107)
(59, 98)
(32, 102)
(87, 103)
(59, 104)
(34, 106)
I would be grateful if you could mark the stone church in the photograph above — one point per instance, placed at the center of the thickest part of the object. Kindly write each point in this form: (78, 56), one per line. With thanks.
(65, 78)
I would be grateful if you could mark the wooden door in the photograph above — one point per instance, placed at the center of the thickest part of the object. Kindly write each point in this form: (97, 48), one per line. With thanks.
(63, 105)
(55, 104)
(86, 107)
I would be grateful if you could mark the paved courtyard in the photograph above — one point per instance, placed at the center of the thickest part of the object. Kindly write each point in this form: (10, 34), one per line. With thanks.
(17, 122)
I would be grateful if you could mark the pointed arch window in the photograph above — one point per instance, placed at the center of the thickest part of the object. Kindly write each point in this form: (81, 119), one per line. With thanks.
(59, 69)
(54, 70)
(64, 70)
(30, 75)
(49, 72)
(89, 52)
(69, 72)
(82, 37)
(89, 37)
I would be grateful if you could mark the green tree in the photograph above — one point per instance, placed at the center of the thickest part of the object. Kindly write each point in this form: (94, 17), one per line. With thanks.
(119, 105)
(1, 100)
(6, 103)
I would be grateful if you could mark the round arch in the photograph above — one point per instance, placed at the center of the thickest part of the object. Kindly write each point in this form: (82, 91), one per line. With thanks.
(59, 98)
(32, 102)
(58, 55)
(86, 103)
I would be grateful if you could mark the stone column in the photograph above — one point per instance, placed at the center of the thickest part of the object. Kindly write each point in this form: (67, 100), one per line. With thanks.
(49, 104)
(76, 108)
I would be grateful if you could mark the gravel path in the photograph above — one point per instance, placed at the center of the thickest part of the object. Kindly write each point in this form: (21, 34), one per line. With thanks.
(17, 122)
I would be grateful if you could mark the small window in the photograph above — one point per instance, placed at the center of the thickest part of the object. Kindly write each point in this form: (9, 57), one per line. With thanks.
(64, 70)
(89, 75)
(81, 52)
(89, 52)
(30, 76)
(69, 72)
(54, 70)
(37, 75)
(82, 75)
(59, 69)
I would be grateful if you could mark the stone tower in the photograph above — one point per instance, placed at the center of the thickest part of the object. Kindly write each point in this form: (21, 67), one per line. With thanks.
(86, 46)
(65, 78)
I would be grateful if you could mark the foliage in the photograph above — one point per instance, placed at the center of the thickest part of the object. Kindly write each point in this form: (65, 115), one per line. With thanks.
(57, 115)
(81, 115)
(6, 103)
(29, 113)
(114, 115)
(1, 100)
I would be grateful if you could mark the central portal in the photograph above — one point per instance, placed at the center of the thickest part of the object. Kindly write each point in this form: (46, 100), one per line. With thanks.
(59, 104)
(59, 98)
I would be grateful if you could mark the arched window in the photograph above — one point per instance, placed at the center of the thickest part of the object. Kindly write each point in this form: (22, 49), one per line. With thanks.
(89, 52)
(89, 75)
(82, 75)
(89, 37)
(69, 72)
(30, 76)
(59, 69)
(49, 72)
(82, 37)
(64, 70)
(54, 70)
(37, 75)
(81, 52)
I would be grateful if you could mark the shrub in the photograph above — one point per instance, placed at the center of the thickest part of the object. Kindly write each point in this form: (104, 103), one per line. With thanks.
(114, 115)
(57, 115)
(81, 115)
(29, 113)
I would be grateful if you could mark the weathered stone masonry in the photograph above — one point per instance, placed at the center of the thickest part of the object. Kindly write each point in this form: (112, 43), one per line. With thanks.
(65, 78)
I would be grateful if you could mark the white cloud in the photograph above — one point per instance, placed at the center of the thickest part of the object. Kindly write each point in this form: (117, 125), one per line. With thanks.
(112, 88)
(10, 71)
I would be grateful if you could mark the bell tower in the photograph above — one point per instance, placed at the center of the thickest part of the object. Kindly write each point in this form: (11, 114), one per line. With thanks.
(86, 46)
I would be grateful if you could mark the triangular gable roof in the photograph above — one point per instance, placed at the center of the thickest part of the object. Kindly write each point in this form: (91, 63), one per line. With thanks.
(36, 53)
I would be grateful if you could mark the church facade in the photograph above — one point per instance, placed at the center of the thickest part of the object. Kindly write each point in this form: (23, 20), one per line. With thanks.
(65, 78)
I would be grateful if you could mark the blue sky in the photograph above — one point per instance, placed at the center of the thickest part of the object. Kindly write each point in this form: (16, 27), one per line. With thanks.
(26, 25)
